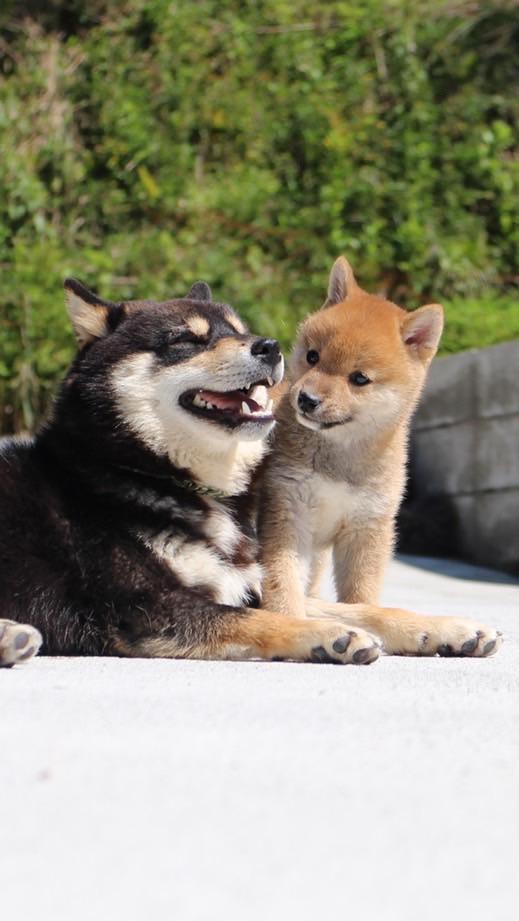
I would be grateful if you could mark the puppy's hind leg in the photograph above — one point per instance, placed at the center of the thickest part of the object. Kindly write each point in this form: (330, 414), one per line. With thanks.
(286, 544)
(360, 560)
(18, 643)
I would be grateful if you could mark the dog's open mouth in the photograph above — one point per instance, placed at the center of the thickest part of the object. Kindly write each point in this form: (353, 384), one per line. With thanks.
(232, 407)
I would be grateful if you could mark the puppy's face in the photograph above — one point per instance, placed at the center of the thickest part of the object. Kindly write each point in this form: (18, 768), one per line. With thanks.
(186, 368)
(360, 362)
(345, 378)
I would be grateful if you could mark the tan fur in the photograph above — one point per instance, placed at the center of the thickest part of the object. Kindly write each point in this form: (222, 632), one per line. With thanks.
(89, 321)
(339, 487)
(236, 323)
(199, 326)
(408, 634)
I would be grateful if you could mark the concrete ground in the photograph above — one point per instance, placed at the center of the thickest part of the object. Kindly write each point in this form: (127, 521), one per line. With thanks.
(186, 791)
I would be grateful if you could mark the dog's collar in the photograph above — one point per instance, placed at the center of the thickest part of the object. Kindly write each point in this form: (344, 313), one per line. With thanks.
(199, 489)
(182, 483)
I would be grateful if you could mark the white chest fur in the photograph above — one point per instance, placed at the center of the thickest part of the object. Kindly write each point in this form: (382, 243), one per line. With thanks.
(207, 563)
(334, 506)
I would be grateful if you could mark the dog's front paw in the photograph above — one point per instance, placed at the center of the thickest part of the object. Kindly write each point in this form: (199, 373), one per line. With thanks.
(446, 636)
(18, 642)
(339, 646)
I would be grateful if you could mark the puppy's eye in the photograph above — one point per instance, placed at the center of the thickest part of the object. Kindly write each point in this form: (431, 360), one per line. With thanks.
(312, 356)
(359, 379)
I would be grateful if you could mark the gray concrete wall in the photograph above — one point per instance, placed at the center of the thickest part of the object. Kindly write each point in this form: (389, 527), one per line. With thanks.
(465, 450)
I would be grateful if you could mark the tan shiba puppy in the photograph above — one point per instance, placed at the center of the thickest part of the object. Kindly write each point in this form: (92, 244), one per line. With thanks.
(337, 472)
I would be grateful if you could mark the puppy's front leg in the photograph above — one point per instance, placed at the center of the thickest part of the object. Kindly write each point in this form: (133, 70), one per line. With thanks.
(286, 574)
(360, 559)
(286, 553)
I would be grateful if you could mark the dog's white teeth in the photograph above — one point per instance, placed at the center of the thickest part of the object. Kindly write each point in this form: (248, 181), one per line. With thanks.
(203, 404)
(245, 408)
(270, 406)
(259, 395)
(270, 381)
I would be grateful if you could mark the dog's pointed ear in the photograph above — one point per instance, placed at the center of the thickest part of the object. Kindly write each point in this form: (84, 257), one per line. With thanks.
(200, 291)
(341, 282)
(88, 312)
(422, 329)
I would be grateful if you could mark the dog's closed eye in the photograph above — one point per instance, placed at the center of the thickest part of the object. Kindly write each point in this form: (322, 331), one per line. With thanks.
(181, 334)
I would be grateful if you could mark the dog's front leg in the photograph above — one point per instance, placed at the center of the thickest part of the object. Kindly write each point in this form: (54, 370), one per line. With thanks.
(274, 636)
(224, 632)
(360, 559)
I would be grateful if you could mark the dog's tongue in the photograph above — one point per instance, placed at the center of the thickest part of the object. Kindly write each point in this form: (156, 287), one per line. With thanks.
(231, 400)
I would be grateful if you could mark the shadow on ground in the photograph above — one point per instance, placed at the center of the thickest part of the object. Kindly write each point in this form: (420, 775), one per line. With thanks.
(457, 569)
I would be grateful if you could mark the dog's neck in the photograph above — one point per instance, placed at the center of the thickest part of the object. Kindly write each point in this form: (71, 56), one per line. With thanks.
(363, 458)
(229, 470)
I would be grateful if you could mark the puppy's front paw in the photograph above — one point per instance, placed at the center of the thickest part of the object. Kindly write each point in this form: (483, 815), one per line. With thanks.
(18, 642)
(339, 646)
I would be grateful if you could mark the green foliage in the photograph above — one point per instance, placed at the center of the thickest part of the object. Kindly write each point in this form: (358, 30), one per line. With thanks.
(470, 322)
(148, 143)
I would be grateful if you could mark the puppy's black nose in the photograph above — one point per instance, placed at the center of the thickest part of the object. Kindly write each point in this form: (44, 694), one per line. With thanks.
(267, 349)
(306, 402)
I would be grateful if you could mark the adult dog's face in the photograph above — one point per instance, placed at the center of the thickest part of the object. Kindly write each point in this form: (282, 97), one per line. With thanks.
(185, 368)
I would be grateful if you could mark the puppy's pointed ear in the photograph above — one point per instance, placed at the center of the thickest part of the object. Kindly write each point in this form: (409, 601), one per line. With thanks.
(422, 329)
(87, 311)
(341, 282)
(200, 291)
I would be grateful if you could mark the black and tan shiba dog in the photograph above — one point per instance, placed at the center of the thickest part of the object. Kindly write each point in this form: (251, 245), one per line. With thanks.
(126, 524)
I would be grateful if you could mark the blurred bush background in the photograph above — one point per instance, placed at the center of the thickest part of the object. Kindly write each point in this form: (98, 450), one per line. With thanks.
(148, 143)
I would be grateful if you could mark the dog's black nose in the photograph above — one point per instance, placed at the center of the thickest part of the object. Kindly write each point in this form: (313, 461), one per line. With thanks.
(306, 402)
(267, 349)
